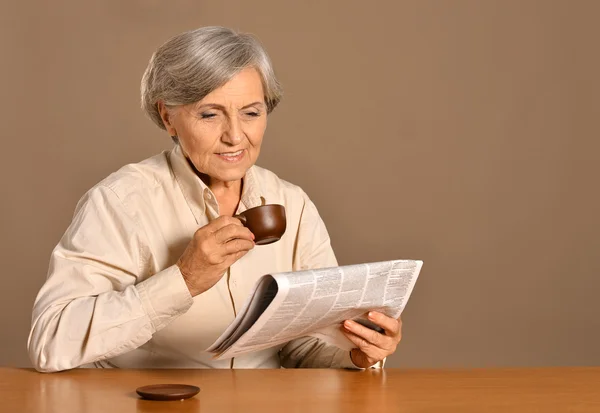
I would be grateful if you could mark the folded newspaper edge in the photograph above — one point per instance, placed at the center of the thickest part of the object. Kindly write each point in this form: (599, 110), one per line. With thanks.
(284, 306)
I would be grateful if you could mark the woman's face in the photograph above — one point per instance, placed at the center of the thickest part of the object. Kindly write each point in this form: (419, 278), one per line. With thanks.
(222, 134)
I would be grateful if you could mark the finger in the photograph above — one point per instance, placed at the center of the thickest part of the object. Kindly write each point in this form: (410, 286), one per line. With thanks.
(360, 359)
(223, 221)
(231, 258)
(367, 334)
(237, 245)
(231, 232)
(389, 324)
(373, 353)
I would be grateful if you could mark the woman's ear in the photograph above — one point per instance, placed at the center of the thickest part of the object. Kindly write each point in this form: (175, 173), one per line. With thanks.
(166, 115)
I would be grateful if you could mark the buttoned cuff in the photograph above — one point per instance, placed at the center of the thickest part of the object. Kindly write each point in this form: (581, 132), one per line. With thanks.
(164, 296)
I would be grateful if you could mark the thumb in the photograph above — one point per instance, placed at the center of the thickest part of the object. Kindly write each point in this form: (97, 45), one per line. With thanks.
(360, 359)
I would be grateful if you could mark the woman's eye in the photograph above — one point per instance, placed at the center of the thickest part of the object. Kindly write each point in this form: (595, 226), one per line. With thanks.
(208, 115)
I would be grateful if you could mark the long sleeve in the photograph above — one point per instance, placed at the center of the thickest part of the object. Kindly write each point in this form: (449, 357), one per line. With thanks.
(93, 305)
(313, 251)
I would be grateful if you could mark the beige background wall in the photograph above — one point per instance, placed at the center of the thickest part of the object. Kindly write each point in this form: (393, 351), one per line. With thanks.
(463, 133)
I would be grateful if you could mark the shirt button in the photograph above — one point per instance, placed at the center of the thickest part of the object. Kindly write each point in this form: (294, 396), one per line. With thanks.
(208, 196)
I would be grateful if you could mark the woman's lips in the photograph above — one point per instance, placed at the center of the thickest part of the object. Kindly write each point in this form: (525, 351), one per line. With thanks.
(232, 157)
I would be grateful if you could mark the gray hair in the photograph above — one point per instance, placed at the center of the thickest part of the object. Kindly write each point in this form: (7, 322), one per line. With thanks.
(192, 64)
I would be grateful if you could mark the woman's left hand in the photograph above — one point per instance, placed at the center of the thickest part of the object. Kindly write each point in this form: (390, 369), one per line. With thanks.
(372, 346)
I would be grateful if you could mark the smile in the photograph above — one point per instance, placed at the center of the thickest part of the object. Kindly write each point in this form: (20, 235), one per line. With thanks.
(231, 156)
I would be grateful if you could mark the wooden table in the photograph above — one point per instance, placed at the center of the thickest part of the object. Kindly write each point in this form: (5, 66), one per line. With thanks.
(389, 390)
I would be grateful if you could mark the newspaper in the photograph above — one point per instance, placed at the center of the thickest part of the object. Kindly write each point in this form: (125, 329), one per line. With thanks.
(286, 306)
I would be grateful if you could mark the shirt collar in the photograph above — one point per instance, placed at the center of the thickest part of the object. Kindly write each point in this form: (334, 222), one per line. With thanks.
(197, 193)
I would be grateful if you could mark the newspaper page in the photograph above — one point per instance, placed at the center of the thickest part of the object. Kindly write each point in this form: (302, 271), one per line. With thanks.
(286, 306)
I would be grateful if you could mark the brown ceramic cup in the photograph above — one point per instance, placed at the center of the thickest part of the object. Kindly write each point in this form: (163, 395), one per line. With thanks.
(266, 222)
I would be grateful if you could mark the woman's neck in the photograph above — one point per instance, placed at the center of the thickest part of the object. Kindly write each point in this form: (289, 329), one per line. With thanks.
(228, 194)
(227, 189)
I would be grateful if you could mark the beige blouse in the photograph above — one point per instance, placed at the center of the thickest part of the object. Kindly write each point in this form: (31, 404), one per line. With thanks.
(115, 298)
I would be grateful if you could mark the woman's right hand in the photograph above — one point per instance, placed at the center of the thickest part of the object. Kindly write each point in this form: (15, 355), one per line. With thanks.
(213, 249)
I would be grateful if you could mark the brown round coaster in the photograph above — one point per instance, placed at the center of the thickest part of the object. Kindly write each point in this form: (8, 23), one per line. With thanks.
(167, 391)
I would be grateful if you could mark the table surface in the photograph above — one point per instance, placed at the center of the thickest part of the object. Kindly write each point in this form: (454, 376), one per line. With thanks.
(307, 390)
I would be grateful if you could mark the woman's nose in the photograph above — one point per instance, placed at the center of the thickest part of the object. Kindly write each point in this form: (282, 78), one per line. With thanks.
(234, 134)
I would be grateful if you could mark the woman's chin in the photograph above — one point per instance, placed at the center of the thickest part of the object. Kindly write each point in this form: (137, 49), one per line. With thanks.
(230, 174)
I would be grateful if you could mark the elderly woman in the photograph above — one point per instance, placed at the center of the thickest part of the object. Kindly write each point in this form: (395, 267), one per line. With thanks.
(154, 265)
